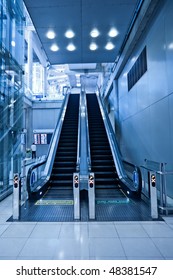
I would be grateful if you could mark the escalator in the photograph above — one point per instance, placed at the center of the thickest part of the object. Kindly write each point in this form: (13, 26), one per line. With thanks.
(51, 196)
(60, 185)
(56, 201)
(107, 185)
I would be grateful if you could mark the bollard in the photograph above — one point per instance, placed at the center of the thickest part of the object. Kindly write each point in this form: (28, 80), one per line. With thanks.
(76, 195)
(91, 195)
(16, 199)
(153, 194)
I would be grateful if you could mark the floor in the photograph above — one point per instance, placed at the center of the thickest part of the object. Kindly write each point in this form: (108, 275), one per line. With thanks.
(51, 210)
(84, 240)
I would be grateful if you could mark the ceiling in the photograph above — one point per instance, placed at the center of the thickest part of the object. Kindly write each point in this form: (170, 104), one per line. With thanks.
(81, 16)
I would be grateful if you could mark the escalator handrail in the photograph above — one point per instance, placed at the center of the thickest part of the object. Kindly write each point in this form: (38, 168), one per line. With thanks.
(87, 134)
(51, 152)
(112, 140)
(55, 138)
(28, 178)
(79, 137)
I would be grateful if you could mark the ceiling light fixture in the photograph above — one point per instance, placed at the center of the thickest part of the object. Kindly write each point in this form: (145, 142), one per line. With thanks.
(54, 48)
(93, 46)
(69, 34)
(94, 33)
(13, 43)
(50, 34)
(71, 47)
(113, 32)
(109, 46)
(170, 46)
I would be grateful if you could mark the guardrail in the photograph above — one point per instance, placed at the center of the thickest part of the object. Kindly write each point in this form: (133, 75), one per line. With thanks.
(161, 180)
(125, 180)
(87, 137)
(47, 165)
(79, 136)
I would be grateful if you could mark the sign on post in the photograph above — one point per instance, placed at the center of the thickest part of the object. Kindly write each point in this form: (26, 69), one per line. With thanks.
(91, 195)
(16, 200)
(153, 193)
(76, 194)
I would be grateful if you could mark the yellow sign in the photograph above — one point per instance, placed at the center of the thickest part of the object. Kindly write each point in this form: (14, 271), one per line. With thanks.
(54, 202)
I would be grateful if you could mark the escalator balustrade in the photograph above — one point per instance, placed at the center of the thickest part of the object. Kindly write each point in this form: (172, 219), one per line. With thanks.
(61, 180)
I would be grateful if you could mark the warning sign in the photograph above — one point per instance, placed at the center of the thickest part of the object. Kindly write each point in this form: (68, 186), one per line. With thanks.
(153, 180)
(16, 180)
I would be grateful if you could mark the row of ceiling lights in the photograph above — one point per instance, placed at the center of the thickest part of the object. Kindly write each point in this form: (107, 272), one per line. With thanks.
(94, 34)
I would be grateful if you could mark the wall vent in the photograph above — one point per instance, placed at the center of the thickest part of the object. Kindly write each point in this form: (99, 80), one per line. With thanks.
(138, 69)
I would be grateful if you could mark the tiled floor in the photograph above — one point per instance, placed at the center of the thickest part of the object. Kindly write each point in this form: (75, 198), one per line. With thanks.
(84, 240)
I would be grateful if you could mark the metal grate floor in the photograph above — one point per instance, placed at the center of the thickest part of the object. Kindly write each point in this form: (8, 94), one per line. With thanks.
(131, 211)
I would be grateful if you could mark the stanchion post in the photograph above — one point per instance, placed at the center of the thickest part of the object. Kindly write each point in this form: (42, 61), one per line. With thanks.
(76, 194)
(153, 194)
(16, 199)
(91, 195)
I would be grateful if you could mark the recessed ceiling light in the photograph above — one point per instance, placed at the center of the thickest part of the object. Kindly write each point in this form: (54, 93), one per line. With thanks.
(71, 47)
(69, 34)
(113, 32)
(170, 46)
(54, 48)
(13, 43)
(93, 46)
(109, 46)
(50, 34)
(94, 33)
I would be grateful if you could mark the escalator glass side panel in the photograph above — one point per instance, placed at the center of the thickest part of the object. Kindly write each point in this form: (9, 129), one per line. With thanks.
(60, 184)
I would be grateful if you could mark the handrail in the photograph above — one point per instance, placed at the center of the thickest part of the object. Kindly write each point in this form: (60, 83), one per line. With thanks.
(88, 138)
(112, 140)
(161, 185)
(79, 136)
(55, 138)
(34, 166)
(115, 149)
(157, 171)
(51, 152)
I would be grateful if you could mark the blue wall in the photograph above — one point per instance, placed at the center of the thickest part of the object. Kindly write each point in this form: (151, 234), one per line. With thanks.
(146, 111)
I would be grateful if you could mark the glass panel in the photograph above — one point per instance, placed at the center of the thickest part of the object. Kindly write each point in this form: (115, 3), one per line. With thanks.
(11, 92)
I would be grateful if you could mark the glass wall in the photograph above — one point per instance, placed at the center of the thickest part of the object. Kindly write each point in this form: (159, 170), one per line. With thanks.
(11, 92)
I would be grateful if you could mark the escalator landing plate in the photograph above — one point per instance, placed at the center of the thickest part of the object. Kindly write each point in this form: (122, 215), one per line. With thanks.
(54, 202)
(111, 201)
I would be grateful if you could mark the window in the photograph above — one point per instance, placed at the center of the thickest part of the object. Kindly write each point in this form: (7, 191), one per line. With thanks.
(138, 69)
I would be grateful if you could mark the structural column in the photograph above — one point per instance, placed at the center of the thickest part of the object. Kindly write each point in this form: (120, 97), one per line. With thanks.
(30, 59)
(45, 81)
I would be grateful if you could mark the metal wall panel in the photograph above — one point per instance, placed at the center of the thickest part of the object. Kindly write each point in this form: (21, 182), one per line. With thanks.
(146, 111)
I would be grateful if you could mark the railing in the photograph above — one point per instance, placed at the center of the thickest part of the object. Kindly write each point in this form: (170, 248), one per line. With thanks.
(55, 138)
(166, 203)
(34, 172)
(126, 181)
(83, 143)
(163, 178)
(87, 137)
(134, 173)
(44, 176)
(112, 140)
(83, 125)
(79, 136)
